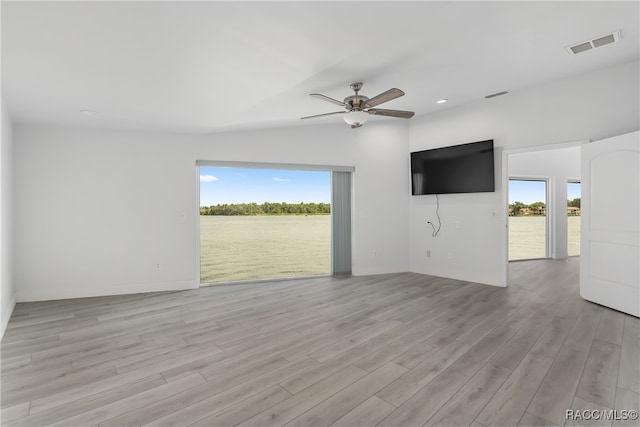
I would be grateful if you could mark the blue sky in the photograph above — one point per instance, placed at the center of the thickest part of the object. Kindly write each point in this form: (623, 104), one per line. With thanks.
(245, 185)
(534, 191)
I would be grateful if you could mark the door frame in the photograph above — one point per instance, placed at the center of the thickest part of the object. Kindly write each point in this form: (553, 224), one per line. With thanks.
(505, 192)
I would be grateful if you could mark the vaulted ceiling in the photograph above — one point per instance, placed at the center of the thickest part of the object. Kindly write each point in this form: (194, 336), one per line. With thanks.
(209, 66)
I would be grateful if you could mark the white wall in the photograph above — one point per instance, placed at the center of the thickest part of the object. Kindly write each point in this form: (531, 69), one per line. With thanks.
(7, 291)
(558, 167)
(96, 210)
(99, 209)
(591, 106)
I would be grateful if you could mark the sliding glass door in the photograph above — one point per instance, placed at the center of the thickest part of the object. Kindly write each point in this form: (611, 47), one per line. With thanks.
(268, 223)
(527, 219)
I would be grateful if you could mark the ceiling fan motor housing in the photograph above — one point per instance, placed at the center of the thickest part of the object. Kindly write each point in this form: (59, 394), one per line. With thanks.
(356, 102)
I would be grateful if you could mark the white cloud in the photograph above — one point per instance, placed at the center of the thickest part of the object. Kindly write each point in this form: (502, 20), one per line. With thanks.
(208, 178)
(280, 179)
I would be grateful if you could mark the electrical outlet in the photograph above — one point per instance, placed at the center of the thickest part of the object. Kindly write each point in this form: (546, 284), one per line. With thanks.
(428, 253)
(450, 255)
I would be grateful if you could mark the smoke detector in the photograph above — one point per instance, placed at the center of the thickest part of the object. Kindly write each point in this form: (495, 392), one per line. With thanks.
(602, 40)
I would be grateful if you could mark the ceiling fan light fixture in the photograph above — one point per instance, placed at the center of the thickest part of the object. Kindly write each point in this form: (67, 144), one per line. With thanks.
(355, 118)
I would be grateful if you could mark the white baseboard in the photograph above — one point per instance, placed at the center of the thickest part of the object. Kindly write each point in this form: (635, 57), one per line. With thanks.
(6, 314)
(49, 294)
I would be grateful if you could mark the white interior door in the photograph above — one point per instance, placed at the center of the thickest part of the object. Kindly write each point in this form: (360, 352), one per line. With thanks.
(610, 228)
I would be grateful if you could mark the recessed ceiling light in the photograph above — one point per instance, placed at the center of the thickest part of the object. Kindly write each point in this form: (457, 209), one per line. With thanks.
(88, 112)
(441, 101)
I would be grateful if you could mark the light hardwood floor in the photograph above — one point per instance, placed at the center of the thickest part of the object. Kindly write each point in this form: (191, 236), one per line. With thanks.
(389, 350)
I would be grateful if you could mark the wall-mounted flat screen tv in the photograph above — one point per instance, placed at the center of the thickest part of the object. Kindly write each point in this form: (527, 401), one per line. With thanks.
(466, 168)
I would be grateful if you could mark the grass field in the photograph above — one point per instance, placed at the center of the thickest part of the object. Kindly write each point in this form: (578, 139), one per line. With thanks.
(574, 235)
(261, 247)
(527, 236)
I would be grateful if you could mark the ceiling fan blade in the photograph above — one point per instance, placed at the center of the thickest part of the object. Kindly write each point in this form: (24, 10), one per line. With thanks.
(391, 113)
(325, 114)
(326, 98)
(384, 97)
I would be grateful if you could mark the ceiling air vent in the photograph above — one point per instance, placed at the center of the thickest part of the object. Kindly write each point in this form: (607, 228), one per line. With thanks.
(602, 40)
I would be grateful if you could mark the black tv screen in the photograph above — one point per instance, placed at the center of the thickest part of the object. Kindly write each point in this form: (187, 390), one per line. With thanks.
(466, 168)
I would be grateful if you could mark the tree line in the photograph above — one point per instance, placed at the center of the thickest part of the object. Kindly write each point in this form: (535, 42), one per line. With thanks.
(267, 208)
(537, 208)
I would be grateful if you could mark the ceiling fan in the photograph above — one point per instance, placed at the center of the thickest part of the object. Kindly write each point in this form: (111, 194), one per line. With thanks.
(358, 107)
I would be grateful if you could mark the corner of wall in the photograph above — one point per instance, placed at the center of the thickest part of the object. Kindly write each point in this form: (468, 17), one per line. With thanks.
(7, 311)
(7, 288)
